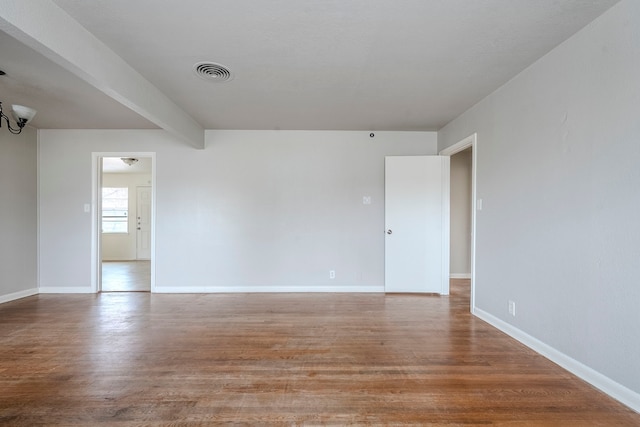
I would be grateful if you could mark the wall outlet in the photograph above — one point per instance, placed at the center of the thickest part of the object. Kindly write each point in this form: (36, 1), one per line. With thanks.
(332, 274)
(512, 308)
(366, 200)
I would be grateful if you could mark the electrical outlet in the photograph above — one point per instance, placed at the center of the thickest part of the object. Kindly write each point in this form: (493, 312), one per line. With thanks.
(332, 274)
(512, 308)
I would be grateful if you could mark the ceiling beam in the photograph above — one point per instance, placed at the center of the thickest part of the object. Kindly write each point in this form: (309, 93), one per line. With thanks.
(44, 27)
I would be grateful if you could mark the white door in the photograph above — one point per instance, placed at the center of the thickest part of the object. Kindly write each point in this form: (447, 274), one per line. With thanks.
(417, 224)
(143, 223)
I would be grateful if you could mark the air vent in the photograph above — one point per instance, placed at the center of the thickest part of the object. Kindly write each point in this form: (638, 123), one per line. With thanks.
(212, 72)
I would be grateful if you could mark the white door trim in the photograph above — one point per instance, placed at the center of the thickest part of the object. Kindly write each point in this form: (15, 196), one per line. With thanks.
(96, 201)
(470, 141)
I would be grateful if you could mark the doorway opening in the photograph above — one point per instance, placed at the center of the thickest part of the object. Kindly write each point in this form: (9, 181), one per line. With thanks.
(463, 242)
(123, 222)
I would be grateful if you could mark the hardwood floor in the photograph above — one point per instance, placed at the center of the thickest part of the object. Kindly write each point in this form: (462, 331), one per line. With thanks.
(126, 276)
(140, 359)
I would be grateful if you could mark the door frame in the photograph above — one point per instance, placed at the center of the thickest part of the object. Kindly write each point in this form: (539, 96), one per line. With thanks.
(470, 141)
(96, 214)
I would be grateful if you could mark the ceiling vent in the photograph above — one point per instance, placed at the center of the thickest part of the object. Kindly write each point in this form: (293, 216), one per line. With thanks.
(212, 72)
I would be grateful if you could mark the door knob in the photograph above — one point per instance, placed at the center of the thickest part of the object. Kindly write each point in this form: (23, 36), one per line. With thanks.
(389, 231)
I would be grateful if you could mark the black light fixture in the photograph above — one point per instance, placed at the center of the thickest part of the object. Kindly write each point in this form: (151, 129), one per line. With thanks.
(21, 114)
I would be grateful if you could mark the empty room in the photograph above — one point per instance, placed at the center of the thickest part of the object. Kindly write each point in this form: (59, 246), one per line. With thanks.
(233, 212)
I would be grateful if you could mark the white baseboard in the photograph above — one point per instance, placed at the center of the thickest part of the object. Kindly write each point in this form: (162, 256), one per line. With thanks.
(66, 290)
(596, 379)
(460, 276)
(265, 289)
(17, 295)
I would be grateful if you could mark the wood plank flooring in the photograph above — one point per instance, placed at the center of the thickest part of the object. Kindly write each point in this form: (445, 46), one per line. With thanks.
(126, 276)
(140, 359)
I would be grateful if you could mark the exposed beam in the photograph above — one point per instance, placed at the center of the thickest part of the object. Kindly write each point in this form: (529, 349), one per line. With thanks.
(44, 27)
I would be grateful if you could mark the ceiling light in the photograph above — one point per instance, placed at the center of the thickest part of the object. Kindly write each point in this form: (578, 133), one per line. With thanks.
(129, 160)
(21, 114)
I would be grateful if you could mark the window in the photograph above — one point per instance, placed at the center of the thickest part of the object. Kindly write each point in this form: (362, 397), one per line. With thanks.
(115, 210)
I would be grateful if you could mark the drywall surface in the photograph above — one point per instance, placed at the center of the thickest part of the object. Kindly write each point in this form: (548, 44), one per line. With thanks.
(558, 171)
(18, 213)
(254, 210)
(460, 241)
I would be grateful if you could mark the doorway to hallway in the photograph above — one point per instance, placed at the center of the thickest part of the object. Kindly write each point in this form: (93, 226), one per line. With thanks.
(469, 143)
(123, 248)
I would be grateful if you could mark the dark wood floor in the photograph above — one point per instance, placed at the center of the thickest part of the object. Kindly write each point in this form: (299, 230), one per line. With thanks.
(140, 359)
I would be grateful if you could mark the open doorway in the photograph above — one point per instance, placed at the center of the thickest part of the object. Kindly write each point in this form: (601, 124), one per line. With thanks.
(460, 221)
(463, 214)
(124, 223)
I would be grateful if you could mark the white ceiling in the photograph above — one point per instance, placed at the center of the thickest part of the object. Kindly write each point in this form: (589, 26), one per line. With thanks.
(298, 64)
(61, 99)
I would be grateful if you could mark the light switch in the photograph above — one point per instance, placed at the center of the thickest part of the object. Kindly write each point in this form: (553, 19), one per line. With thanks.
(366, 200)
(479, 204)
(87, 207)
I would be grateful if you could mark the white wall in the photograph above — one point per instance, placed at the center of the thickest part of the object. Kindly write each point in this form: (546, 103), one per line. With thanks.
(460, 242)
(255, 210)
(18, 214)
(122, 246)
(559, 172)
